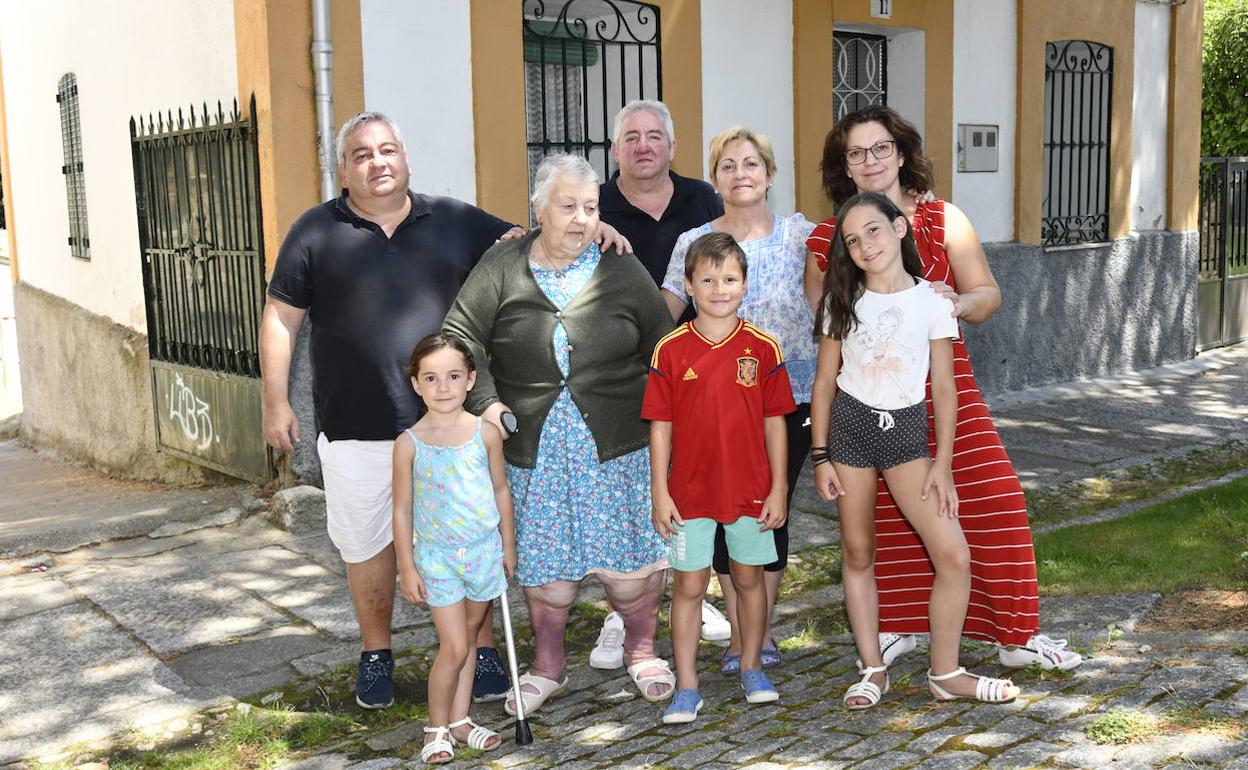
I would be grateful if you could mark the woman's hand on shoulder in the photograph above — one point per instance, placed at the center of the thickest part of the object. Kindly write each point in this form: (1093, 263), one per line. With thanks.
(607, 237)
(927, 196)
(951, 294)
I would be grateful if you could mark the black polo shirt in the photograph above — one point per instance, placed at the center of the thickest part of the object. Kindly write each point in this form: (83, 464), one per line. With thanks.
(371, 299)
(693, 203)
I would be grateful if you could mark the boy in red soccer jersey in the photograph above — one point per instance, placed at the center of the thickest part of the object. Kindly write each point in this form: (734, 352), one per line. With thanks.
(716, 399)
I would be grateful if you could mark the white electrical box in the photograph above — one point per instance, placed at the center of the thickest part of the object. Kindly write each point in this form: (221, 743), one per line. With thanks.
(977, 147)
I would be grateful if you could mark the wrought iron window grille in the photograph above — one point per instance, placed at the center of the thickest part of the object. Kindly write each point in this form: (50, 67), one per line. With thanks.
(72, 167)
(583, 61)
(860, 63)
(197, 192)
(1078, 107)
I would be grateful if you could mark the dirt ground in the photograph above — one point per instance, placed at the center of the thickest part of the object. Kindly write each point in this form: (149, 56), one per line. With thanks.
(1204, 610)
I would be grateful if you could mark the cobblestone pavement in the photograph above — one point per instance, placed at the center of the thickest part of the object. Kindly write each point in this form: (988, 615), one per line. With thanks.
(1192, 690)
(189, 612)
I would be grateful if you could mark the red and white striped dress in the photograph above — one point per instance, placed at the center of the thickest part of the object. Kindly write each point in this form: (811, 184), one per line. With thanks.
(1005, 604)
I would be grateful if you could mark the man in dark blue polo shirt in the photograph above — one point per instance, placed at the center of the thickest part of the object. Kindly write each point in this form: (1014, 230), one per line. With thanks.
(651, 205)
(375, 270)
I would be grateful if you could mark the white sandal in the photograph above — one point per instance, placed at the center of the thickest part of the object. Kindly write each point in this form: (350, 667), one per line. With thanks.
(866, 688)
(442, 743)
(479, 737)
(665, 676)
(546, 688)
(987, 689)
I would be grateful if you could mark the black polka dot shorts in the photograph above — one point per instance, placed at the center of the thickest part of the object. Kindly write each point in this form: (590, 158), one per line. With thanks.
(862, 437)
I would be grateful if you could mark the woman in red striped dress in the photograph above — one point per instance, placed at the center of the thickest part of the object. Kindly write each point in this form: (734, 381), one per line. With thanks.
(875, 150)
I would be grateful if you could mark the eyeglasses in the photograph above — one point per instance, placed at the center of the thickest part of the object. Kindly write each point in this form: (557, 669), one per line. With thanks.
(881, 150)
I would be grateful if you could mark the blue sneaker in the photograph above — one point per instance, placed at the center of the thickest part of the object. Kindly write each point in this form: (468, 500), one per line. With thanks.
(758, 688)
(374, 680)
(490, 681)
(683, 708)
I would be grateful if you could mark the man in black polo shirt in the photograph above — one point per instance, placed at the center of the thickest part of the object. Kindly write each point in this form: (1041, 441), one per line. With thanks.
(645, 200)
(375, 270)
(651, 205)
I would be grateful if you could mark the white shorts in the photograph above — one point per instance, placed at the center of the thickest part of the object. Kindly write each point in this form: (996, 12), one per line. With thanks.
(357, 476)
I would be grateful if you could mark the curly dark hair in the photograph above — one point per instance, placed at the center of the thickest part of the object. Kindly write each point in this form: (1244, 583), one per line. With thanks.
(916, 172)
(843, 282)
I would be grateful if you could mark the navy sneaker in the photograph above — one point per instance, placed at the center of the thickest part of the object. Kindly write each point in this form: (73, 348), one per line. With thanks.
(490, 682)
(374, 680)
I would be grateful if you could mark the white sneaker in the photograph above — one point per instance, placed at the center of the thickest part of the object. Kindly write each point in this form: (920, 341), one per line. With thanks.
(893, 646)
(608, 652)
(715, 627)
(1043, 651)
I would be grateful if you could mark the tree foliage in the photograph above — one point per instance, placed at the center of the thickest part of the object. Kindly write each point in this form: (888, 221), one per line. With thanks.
(1224, 100)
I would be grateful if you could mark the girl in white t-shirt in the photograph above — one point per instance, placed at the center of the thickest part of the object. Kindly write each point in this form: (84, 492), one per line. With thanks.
(883, 329)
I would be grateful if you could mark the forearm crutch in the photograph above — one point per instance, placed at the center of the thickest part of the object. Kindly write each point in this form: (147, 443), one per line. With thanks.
(523, 735)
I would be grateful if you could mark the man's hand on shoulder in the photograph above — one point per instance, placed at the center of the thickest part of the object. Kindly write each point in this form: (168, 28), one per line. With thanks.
(515, 232)
(608, 237)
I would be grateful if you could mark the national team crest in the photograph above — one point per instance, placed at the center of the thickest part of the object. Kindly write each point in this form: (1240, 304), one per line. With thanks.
(747, 371)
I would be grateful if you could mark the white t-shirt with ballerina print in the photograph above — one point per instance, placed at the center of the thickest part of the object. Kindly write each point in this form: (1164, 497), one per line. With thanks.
(886, 355)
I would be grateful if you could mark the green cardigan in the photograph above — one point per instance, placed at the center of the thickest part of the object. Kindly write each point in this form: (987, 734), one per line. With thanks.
(613, 324)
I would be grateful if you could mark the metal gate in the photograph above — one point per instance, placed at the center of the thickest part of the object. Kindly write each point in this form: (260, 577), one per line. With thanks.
(197, 190)
(583, 61)
(1222, 299)
(860, 72)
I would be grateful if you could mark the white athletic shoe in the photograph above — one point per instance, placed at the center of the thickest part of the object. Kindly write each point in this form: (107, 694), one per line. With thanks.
(1043, 651)
(893, 646)
(715, 627)
(608, 652)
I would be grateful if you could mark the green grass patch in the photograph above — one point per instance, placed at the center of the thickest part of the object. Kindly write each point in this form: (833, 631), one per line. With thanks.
(1195, 541)
(1118, 727)
(1090, 496)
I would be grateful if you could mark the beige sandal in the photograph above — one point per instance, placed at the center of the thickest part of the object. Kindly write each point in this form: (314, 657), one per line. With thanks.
(866, 688)
(987, 689)
(546, 688)
(479, 737)
(643, 682)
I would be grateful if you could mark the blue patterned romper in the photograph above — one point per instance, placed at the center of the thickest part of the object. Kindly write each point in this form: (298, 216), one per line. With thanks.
(574, 514)
(459, 550)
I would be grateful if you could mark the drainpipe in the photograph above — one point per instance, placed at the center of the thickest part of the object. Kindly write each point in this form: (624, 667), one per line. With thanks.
(323, 68)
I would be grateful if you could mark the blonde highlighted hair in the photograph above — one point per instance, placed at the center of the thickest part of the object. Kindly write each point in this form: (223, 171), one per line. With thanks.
(734, 133)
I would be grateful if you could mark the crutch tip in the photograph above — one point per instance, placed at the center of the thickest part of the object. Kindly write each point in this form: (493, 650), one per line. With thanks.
(524, 736)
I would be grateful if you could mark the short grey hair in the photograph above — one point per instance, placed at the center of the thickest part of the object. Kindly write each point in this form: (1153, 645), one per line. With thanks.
(551, 169)
(358, 120)
(637, 105)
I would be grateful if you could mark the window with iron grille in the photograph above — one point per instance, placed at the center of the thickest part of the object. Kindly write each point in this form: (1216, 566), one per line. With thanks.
(75, 184)
(860, 77)
(1078, 102)
(583, 61)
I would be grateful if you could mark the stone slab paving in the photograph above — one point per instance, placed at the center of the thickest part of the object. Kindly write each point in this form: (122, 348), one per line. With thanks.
(1047, 726)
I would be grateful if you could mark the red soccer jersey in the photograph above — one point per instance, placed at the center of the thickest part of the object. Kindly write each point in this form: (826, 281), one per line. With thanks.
(716, 395)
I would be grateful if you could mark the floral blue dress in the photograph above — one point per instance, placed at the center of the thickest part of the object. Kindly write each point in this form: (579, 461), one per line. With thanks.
(574, 514)
(775, 301)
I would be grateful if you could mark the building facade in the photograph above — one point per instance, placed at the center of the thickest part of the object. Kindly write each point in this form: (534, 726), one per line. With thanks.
(1066, 130)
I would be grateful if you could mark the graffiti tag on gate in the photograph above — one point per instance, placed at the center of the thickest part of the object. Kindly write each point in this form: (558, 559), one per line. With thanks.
(191, 414)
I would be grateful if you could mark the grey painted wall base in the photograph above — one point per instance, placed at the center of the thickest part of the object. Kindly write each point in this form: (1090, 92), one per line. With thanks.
(86, 390)
(1067, 315)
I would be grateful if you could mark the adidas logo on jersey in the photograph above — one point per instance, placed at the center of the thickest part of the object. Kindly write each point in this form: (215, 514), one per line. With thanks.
(690, 374)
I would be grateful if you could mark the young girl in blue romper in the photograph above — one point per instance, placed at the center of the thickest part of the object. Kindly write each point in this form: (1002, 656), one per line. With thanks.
(454, 533)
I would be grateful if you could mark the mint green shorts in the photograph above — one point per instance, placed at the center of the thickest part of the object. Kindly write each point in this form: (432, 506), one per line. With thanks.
(693, 545)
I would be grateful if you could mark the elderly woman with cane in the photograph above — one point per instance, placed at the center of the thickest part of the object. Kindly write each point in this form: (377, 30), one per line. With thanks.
(563, 332)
